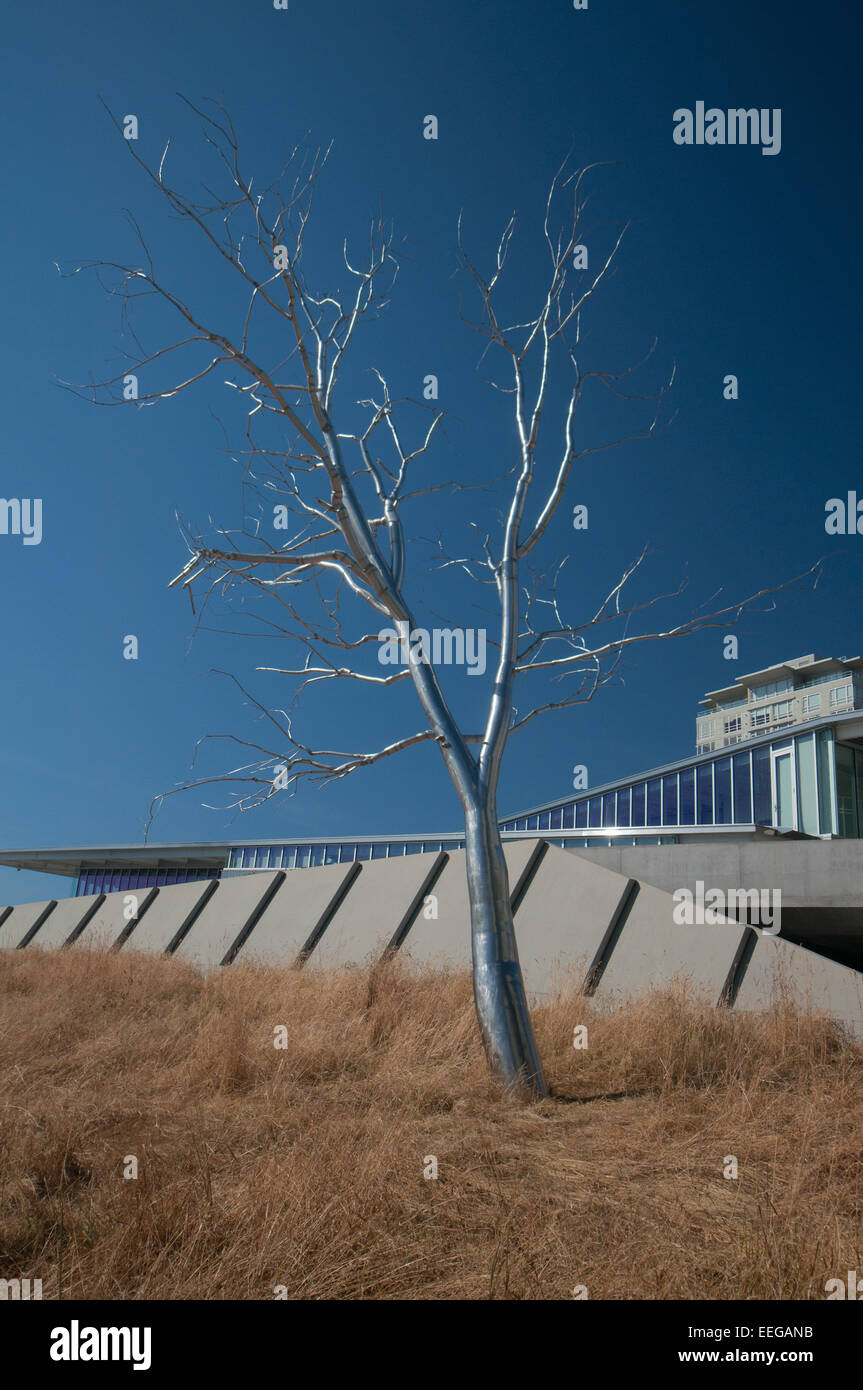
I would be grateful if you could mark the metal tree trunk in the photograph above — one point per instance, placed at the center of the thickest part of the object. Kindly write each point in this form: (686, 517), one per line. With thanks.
(499, 994)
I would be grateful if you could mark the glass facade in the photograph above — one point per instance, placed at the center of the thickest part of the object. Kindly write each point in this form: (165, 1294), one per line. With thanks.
(740, 789)
(116, 878)
(806, 781)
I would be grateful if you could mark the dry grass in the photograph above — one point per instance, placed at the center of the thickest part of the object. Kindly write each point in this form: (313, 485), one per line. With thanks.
(303, 1167)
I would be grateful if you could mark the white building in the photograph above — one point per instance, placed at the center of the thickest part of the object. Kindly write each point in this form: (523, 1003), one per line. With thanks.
(792, 692)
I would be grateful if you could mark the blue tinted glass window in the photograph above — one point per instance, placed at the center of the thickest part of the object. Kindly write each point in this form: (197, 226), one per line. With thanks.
(761, 776)
(686, 809)
(317, 856)
(568, 821)
(624, 807)
(608, 809)
(555, 819)
(379, 851)
(742, 789)
(723, 791)
(580, 815)
(705, 793)
(543, 821)
(594, 811)
(331, 854)
(638, 804)
(654, 809)
(363, 852)
(248, 858)
(347, 854)
(669, 800)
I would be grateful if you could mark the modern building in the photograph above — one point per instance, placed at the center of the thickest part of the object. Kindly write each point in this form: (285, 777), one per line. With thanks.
(793, 692)
(793, 767)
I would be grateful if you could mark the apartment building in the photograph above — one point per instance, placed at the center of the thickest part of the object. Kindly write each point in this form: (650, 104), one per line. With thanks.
(779, 697)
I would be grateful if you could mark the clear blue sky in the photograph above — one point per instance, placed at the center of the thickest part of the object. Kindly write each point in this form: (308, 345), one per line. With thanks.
(736, 262)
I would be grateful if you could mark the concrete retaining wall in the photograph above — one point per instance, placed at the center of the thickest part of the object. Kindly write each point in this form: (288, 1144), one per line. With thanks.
(576, 921)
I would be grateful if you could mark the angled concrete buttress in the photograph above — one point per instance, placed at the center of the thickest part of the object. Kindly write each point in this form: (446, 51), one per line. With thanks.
(296, 920)
(227, 917)
(24, 922)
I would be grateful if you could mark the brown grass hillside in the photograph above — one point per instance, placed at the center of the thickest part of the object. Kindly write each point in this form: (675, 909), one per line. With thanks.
(303, 1167)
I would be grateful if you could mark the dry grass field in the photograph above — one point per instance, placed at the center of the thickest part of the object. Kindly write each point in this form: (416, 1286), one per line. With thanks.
(303, 1167)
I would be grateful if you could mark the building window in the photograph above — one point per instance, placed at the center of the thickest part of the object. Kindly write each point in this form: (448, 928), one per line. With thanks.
(840, 695)
(846, 790)
(763, 803)
(760, 692)
(807, 784)
(824, 759)
(722, 782)
(568, 817)
(705, 794)
(638, 804)
(760, 717)
(581, 815)
(733, 726)
(812, 703)
(594, 812)
(624, 809)
(687, 796)
(741, 779)
(669, 799)
(782, 710)
(654, 802)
